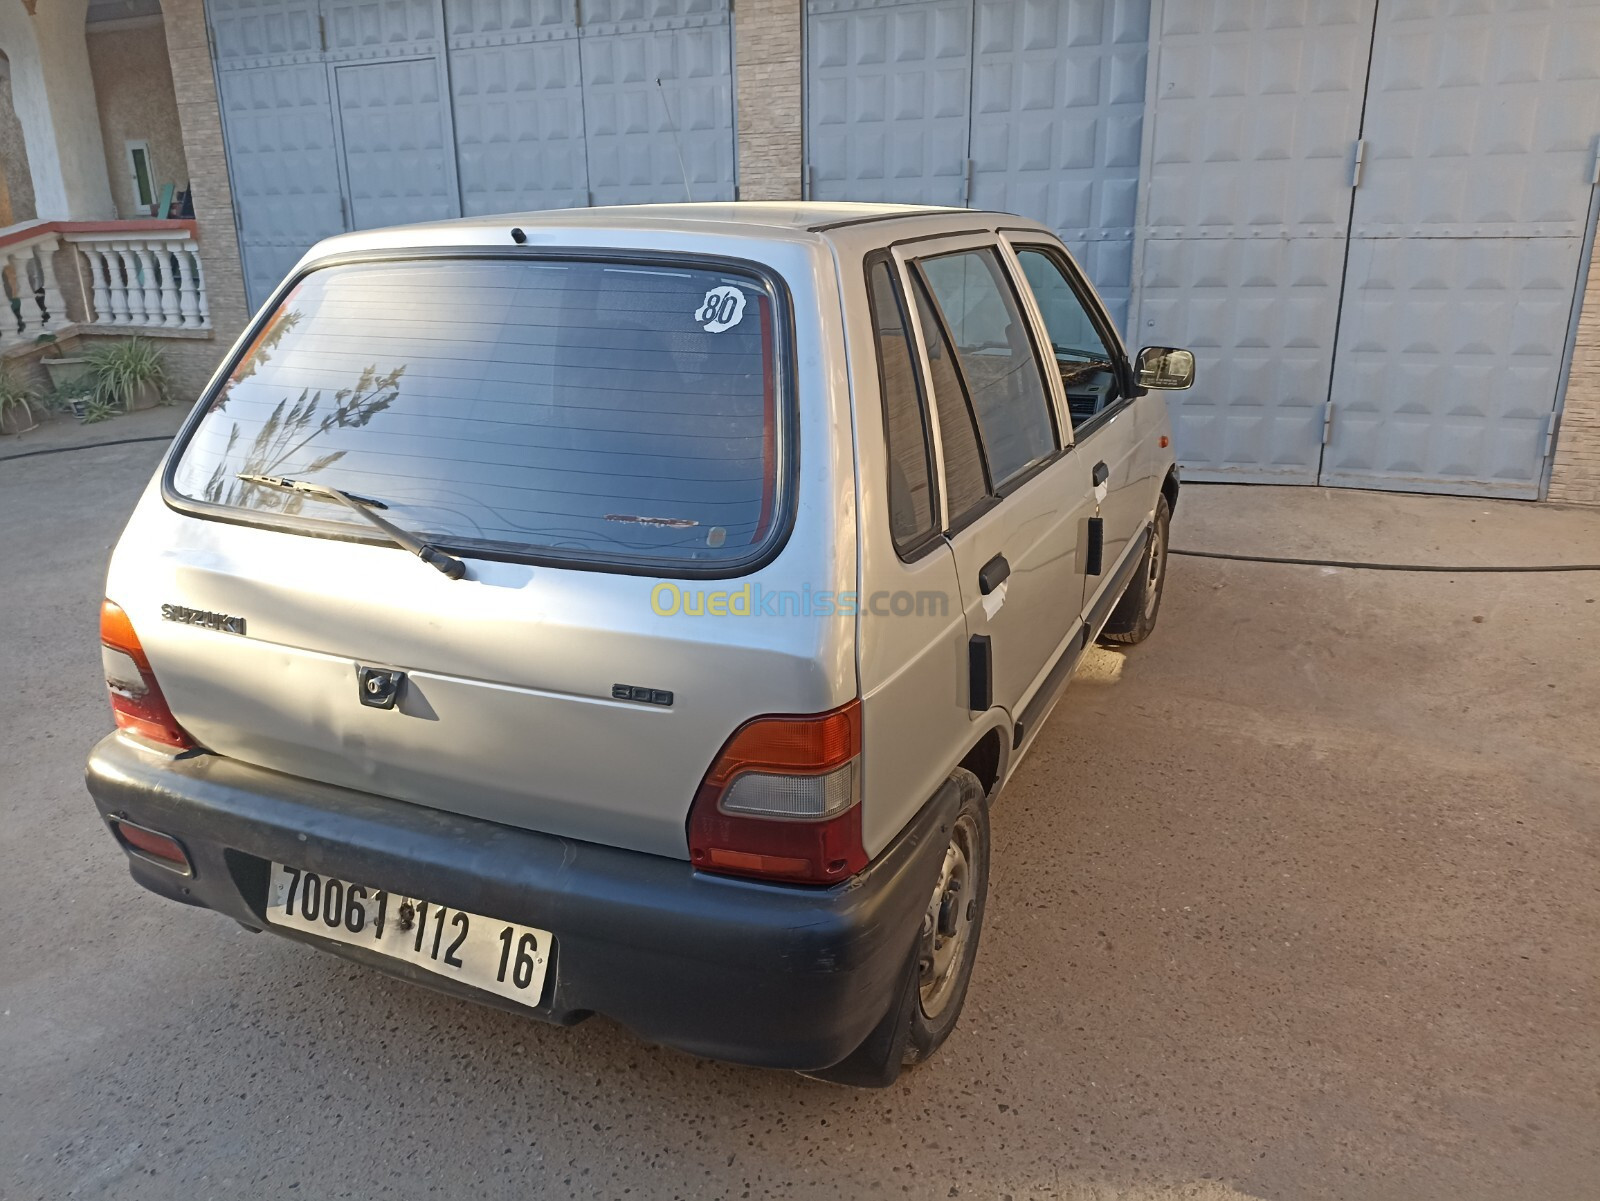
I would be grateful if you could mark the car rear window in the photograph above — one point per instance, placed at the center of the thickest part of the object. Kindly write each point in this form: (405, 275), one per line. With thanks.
(583, 409)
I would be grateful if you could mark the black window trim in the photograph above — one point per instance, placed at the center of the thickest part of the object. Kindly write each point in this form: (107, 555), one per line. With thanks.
(787, 472)
(996, 493)
(1098, 317)
(925, 542)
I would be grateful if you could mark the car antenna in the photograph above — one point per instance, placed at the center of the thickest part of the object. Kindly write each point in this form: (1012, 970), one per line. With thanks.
(672, 128)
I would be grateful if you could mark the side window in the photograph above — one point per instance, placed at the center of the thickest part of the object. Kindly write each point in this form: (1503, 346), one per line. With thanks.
(998, 366)
(913, 505)
(966, 476)
(1088, 369)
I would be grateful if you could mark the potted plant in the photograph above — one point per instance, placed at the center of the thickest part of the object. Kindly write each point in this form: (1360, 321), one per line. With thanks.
(16, 405)
(130, 373)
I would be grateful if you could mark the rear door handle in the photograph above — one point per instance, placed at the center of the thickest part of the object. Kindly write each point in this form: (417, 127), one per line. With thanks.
(995, 572)
(1101, 474)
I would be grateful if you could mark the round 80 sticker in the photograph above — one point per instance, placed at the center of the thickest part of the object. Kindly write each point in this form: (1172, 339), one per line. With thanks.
(722, 309)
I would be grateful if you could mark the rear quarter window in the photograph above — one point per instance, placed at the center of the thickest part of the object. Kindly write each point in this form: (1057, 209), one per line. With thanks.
(594, 411)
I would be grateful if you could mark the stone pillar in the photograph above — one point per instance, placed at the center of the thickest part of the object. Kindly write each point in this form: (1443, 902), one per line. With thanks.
(766, 39)
(1575, 476)
(53, 94)
(195, 88)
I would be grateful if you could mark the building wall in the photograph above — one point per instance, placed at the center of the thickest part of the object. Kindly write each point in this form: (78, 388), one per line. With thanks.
(134, 92)
(1575, 476)
(766, 40)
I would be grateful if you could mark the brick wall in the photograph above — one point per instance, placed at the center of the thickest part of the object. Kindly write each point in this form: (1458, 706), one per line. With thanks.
(1575, 477)
(196, 92)
(767, 45)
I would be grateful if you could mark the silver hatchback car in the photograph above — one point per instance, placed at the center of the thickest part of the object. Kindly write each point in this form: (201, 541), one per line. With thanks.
(634, 611)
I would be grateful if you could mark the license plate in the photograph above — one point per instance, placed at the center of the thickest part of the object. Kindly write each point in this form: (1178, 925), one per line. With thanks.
(497, 956)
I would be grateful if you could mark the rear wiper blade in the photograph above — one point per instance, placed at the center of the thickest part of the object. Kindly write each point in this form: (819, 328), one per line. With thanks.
(366, 506)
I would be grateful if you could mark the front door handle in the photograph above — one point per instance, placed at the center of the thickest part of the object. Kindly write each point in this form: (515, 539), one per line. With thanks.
(1101, 474)
(995, 572)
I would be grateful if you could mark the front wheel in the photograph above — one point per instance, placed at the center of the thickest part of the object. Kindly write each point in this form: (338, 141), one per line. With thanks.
(933, 987)
(1135, 615)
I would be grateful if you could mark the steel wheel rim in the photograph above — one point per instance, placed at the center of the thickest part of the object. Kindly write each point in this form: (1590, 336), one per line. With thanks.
(1152, 582)
(948, 922)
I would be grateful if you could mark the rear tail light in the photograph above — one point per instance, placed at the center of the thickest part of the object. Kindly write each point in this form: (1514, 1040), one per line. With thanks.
(782, 801)
(136, 700)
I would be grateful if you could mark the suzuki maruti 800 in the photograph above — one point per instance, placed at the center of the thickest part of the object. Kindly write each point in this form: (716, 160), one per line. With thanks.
(635, 611)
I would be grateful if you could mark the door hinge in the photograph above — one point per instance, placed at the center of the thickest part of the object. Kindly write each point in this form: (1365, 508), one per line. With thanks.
(1551, 424)
(344, 211)
(577, 13)
(1594, 169)
(1327, 422)
(1361, 158)
(322, 32)
(810, 183)
(966, 185)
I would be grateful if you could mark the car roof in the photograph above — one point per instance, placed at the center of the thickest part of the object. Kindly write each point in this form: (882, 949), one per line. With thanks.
(850, 226)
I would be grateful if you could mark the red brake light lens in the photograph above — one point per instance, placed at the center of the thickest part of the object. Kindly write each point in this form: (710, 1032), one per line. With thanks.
(136, 700)
(782, 801)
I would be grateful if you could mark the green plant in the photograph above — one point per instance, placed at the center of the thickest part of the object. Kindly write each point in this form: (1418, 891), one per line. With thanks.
(118, 370)
(16, 400)
(59, 399)
(100, 409)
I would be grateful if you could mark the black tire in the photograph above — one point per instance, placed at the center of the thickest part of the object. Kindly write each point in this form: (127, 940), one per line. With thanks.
(1135, 615)
(909, 1033)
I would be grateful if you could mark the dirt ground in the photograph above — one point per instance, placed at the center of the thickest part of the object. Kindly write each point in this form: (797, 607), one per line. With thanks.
(1298, 900)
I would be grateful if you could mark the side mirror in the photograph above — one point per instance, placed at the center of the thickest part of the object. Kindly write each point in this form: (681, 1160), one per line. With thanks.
(1165, 367)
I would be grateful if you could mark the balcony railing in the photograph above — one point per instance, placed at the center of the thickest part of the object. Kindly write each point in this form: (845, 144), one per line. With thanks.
(135, 276)
(28, 273)
(141, 273)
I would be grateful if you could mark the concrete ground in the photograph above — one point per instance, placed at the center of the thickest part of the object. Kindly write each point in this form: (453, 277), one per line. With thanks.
(1296, 901)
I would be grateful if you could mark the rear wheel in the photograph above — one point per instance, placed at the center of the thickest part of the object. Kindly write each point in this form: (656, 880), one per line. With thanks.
(1135, 615)
(933, 985)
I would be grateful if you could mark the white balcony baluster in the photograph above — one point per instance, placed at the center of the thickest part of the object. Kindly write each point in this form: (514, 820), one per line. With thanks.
(133, 293)
(116, 281)
(97, 276)
(188, 292)
(143, 274)
(151, 279)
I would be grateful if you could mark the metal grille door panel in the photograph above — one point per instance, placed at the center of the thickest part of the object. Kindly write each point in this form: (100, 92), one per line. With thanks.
(518, 93)
(1466, 242)
(1058, 108)
(1449, 360)
(636, 129)
(345, 114)
(283, 165)
(888, 85)
(399, 165)
(1257, 109)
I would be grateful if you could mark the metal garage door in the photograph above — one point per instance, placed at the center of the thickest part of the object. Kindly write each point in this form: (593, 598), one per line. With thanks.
(1398, 322)
(1465, 245)
(1256, 109)
(1029, 106)
(348, 114)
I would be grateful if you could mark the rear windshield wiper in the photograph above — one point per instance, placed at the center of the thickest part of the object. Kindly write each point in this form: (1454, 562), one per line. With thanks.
(367, 507)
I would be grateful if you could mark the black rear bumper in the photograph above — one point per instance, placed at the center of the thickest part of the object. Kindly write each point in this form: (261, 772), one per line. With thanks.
(772, 975)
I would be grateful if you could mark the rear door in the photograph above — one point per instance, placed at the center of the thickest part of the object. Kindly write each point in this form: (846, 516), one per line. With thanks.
(1106, 426)
(1016, 500)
